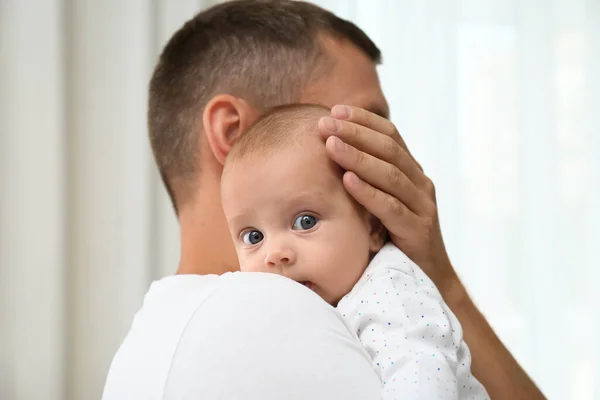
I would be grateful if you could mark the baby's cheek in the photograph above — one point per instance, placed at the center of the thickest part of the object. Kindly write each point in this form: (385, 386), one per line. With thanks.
(355, 269)
(341, 284)
(249, 264)
(349, 282)
(251, 268)
(337, 273)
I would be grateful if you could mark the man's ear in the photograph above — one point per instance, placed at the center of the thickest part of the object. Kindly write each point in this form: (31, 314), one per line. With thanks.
(225, 118)
(378, 235)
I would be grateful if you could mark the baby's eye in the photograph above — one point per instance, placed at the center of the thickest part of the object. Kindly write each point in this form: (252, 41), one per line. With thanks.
(305, 222)
(252, 237)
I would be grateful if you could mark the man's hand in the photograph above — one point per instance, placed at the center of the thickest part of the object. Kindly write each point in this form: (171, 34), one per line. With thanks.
(385, 178)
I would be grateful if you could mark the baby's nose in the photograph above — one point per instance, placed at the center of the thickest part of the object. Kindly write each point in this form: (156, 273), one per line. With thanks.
(280, 257)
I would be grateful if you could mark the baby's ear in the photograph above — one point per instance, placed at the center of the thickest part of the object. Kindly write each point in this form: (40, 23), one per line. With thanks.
(378, 236)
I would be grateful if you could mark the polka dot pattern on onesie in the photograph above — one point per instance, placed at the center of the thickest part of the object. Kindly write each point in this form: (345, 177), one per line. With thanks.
(412, 337)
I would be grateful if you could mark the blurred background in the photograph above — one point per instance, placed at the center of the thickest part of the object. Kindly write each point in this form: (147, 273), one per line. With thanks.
(499, 100)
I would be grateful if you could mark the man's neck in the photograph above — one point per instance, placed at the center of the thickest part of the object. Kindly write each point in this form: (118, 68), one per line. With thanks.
(206, 245)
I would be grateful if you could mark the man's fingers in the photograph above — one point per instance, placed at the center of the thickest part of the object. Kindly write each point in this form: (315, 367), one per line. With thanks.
(370, 120)
(394, 215)
(365, 118)
(376, 144)
(380, 174)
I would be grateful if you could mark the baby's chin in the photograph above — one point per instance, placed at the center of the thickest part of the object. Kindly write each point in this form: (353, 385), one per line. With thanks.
(312, 286)
(308, 284)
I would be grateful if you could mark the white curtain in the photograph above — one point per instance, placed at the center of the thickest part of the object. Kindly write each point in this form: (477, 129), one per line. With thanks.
(498, 99)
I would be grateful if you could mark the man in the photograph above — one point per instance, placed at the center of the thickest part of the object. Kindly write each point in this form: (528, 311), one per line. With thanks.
(206, 333)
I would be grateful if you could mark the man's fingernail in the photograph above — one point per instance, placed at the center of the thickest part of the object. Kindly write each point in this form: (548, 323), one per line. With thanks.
(352, 178)
(341, 112)
(331, 124)
(338, 144)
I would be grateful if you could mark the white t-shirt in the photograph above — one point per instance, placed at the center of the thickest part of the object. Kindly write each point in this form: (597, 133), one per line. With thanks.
(239, 336)
(412, 336)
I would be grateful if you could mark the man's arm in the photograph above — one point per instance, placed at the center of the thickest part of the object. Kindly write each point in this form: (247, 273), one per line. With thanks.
(386, 179)
(492, 363)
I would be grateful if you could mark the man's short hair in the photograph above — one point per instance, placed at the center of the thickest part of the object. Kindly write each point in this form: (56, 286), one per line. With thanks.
(265, 51)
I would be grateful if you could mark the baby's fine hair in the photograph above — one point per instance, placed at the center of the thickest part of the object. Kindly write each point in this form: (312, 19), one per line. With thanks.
(278, 127)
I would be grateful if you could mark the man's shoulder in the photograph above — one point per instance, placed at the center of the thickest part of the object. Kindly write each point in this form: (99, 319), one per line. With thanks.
(203, 309)
(152, 338)
(179, 296)
(268, 337)
(172, 302)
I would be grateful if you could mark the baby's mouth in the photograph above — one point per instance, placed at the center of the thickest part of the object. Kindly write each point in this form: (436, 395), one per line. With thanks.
(307, 284)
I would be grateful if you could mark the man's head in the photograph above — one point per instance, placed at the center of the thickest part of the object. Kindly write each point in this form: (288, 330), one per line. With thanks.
(215, 77)
(287, 209)
(262, 54)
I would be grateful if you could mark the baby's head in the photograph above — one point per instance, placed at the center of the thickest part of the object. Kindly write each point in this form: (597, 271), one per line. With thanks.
(287, 209)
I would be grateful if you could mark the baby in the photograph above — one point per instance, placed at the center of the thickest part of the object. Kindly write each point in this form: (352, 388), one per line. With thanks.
(289, 214)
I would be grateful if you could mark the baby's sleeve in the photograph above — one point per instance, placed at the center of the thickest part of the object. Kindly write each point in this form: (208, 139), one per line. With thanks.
(414, 340)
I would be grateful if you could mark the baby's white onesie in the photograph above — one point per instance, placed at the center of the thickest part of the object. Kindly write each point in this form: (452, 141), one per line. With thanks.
(413, 338)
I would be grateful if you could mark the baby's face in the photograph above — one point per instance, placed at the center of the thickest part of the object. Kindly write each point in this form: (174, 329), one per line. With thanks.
(289, 214)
